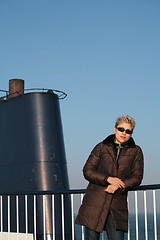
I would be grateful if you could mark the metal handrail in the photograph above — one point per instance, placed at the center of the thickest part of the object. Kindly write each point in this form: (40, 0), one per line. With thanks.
(61, 95)
(75, 191)
(8, 197)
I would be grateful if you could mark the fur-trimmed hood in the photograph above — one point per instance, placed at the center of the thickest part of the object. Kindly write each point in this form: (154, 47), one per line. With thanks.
(110, 140)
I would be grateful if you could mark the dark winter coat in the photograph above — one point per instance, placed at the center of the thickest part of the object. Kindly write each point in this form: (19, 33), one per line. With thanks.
(100, 165)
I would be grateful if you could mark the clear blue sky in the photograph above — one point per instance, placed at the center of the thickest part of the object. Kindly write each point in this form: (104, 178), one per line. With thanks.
(104, 54)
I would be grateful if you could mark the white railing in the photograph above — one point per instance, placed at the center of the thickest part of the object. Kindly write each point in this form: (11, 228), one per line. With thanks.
(51, 215)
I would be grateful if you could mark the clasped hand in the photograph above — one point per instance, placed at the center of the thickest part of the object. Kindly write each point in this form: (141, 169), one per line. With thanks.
(115, 183)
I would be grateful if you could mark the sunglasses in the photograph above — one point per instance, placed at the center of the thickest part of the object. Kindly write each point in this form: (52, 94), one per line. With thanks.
(121, 129)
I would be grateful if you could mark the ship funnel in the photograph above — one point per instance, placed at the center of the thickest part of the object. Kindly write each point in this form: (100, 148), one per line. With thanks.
(32, 156)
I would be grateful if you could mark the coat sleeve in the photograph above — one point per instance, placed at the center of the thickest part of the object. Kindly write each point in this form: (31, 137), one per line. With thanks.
(90, 169)
(137, 171)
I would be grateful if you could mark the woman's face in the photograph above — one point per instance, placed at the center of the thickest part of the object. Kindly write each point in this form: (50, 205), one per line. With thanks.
(122, 136)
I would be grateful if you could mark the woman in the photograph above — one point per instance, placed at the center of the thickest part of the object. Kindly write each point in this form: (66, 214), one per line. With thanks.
(113, 167)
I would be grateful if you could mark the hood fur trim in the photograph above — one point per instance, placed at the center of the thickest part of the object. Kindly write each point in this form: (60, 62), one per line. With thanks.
(110, 140)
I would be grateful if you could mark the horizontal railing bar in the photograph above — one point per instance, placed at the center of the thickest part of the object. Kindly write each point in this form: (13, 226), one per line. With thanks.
(146, 187)
(75, 191)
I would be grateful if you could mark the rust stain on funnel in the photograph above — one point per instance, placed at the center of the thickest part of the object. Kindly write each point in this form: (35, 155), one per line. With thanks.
(16, 87)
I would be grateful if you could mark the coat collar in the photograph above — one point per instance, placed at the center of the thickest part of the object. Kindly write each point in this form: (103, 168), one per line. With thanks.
(110, 140)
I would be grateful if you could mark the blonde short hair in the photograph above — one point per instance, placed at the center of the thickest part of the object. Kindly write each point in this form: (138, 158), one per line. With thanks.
(125, 119)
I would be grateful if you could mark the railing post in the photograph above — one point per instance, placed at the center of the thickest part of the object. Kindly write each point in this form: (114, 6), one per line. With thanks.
(128, 219)
(136, 209)
(155, 220)
(17, 210)
(26, 216)
(35, 222)
(53, 217)
(72, 210)
(145, 212)
(82, 195)
(62, 202)
(1, 215)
